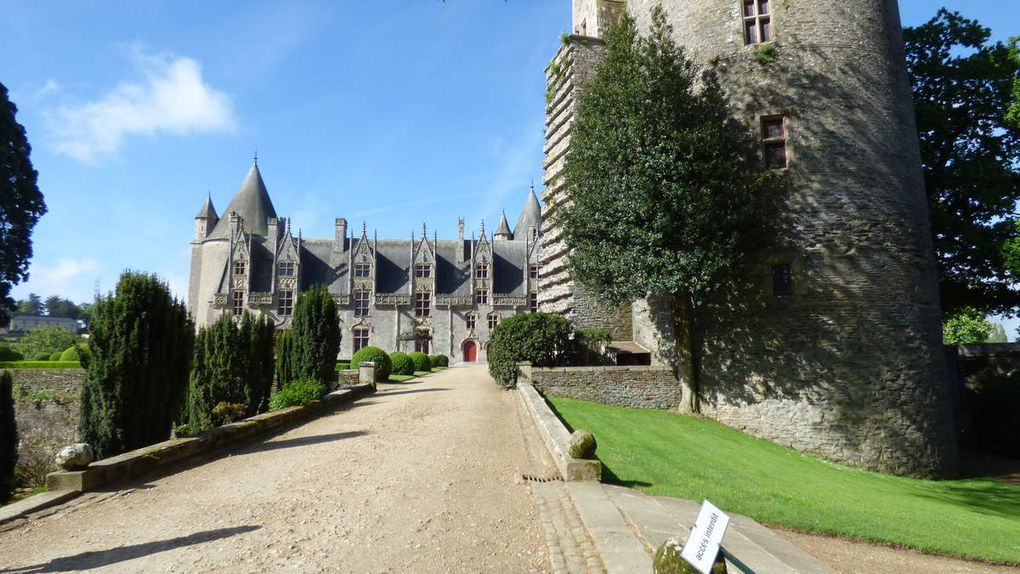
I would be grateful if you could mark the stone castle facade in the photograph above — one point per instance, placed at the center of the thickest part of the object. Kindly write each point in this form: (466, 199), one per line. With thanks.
(439, 296)
(835, 348)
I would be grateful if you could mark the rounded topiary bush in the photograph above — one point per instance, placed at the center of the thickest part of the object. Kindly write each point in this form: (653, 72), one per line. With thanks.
(540, 338)
(401, 363)
(72, 353)
(383, 366)
(9, 354)
(441, 361)
(55, 355)
(44, 356)
(421, 361)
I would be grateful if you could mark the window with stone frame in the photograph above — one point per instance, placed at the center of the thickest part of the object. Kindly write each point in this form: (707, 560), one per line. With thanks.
(285, 303)
(287, 268)
(421, 345)
(533, 271)
(782, 279)
(360, 339)
(422, 304)
(239, 267)
(533, 302)
(469, 321)
(360, 298)
(493, 320)
(238, 303)
(482, 296)
(482, 271)
(757, 22)
(423, 270)
(773, 140)
(362, 270)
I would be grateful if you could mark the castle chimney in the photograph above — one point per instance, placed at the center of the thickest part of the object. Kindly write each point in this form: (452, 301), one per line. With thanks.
(340, 234)
(595, 18)
(460, 240)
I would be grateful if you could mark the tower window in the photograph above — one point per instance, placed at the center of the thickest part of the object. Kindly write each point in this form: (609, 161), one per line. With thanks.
(362, 270)
(493, 320)
(239, 267)
(470, 320)
(360, 339)
(533, 302)
(782, 279)
(286, 269)
(360, 303)
(422, 270)
(533, 271)
(285, 303)
(482, 296)
(481, 271)
(422, 304)
(238, 303)
(757, 22)
(773, 138)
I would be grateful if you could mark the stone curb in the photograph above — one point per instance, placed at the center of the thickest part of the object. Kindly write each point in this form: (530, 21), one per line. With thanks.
(63, 486)
(556, 437)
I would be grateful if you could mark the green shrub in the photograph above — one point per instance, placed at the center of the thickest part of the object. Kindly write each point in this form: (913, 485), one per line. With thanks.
(383, 366)
(74, 353)
(284, 359)
(541, 338)
(401, 364)
(45, 340)
(297, 393)
(440, 361)
(224, 412)
(421, 361)
(9, 354)
(8, 437)
(41, 357)
(316, 331)
(343, 365)
(55, 356)
(136, 377)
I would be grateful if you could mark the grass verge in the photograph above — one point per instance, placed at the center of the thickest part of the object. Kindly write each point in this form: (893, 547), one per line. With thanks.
(665, 453)
(400, 378)
(40, 365)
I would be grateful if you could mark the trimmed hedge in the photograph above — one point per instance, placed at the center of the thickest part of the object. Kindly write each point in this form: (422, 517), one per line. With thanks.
(40, 357)
(383, 366)
(55, 355)
(541, 338)
(421, 361)
(401, 363)
(9, 354)
(41, 365)
(440, 361)
(74, 353)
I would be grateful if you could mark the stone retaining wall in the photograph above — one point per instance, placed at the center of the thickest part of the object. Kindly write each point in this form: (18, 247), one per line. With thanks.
(46, 404)
(641, 387)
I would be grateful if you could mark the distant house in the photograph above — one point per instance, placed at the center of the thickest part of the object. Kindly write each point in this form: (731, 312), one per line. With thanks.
(31, 322)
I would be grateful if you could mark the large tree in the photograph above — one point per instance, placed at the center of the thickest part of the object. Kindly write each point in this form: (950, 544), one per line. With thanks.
(33, 305)
(315, 329)
(967, 103)
(666, 187)
(21, 204)
(57, 306)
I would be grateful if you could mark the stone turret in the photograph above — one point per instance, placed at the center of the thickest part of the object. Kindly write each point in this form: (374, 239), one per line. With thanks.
(206, 219)
(251, 203)
(530, 218)
(503, 229)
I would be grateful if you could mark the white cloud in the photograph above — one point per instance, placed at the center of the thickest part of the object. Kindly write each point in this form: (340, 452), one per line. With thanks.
(68, 277)
(173, 98)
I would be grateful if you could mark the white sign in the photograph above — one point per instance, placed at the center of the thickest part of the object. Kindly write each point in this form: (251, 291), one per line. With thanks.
(706, 537)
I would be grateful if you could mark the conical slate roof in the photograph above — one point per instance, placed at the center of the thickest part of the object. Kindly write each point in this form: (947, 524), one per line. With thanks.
(531, 216)
(503, 228)
(252, 203)
(207, 211)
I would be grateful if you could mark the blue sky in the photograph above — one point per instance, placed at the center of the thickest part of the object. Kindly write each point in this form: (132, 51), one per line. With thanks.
(393, 112)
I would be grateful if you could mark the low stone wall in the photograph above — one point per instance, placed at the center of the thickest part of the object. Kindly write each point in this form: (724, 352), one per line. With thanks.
(346, 379)
(640, 387)
(46, 405)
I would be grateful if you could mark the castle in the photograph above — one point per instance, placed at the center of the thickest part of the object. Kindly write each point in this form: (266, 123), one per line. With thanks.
(835, 348)
(424, 294)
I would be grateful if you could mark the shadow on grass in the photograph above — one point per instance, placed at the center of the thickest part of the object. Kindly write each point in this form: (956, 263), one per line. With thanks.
(301, 441)
(101, 558)
(986, 497)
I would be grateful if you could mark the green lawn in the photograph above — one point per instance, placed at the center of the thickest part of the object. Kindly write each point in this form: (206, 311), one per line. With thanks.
(400, 378)
(665, 453)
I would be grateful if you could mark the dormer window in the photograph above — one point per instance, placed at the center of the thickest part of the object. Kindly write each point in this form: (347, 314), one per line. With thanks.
(287, 269)
(239, 267)
(362, 270)
(482, 271)
(422, 270)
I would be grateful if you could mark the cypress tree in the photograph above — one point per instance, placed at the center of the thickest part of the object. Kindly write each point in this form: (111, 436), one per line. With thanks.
(284, 359)
(316, 331)
(259, 334)
(140, 352)
(218, 372)
(8, 437)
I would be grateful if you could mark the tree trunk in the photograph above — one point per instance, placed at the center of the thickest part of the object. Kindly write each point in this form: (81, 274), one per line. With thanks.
(688, 341)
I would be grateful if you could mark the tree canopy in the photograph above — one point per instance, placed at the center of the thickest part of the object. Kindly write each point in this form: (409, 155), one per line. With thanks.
(21, 203)
(967, 102)
(667, 193)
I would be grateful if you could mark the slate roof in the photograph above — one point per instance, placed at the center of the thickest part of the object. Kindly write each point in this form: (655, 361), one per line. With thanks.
(252, 203)
(503, 228)
(531, 216)
(207, 211)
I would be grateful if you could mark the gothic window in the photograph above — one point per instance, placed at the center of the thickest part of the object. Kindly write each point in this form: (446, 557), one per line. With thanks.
(239, 267)
(285, 303)
(360, 339)
(493, 320)
(469, 321)
(360, 303)
(238, 303)
(482, 271)
(757, 22)
(782, 279)
(362, 270)
(286, 269)
(533, 302)
(773, 138)
(422, 303)
(422, 270)
(482, 296)
(533, 271)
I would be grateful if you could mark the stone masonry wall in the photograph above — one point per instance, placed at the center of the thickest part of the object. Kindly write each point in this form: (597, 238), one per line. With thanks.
(46, 406)
(639, 387)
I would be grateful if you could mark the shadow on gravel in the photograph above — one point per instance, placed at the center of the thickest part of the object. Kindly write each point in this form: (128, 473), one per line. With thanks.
(300, 441)
(101, 558)
(411, 392)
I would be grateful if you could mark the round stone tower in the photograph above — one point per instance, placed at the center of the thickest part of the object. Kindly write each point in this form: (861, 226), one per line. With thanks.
(835, 346)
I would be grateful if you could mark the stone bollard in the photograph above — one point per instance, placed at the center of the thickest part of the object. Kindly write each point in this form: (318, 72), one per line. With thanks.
(366, 373)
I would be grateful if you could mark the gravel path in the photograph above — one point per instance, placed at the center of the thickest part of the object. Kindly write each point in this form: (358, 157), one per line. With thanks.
(418, 478)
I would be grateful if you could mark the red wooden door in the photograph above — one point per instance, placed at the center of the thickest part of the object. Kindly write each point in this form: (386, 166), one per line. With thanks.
(470, 352)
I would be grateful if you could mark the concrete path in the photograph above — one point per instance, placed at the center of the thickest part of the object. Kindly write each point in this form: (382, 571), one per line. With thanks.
(418, 478)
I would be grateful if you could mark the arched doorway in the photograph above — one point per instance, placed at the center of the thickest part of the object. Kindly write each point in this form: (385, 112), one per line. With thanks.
(470, 351)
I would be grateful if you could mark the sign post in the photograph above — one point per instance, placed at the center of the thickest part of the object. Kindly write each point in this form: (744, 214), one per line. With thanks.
(706, 536)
